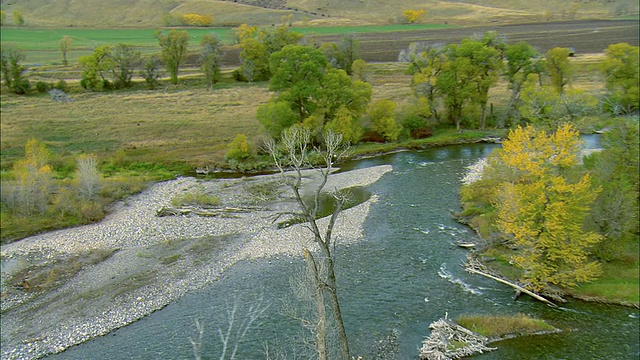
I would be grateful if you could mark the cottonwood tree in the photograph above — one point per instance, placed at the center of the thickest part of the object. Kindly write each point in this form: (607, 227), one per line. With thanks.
(485, 59)
(425, 64)
(620, 69)
(125, 61)
(65, 45)
(558, 67)
(342, 54)
(412, 16)
(13, 71)
(315, 93)
(382, 115)
(615, 169)
(18, 18)
(293, 153)
(150, 72)
(95, 66)
(210, 58)
(174, 50)
(544, 208)
(521, 62)
(454, 84)
(257, 45)
(31, 191)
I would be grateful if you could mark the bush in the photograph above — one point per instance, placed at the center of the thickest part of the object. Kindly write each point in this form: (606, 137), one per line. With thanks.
(416, 125)
(21, 87)
(62, 85)
(91, 211)
(421, 133)
(42, 87)
(239, 149)
(372, 136)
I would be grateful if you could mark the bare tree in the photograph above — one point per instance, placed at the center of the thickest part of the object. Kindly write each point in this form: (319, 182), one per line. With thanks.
(292, 153)
(236, 328)
(87, 177)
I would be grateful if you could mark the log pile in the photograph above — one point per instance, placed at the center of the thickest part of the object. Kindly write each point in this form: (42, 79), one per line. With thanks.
(449, 340)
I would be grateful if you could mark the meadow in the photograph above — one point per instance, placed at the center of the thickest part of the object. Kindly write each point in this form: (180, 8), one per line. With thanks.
(42, 46)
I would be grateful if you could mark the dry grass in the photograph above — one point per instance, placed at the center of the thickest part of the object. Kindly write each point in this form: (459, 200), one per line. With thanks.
(191, 126)
(147, 13)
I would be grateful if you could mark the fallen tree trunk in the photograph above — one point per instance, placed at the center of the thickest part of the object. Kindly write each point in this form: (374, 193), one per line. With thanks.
(202, 211)
(515, 286)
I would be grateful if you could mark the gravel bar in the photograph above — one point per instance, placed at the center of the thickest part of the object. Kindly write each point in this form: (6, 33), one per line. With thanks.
(155, 260)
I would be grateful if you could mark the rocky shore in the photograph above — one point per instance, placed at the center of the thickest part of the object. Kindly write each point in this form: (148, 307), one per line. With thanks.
(153, 260)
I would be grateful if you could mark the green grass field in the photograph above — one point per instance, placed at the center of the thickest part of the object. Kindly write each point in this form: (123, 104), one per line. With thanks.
(42, 46)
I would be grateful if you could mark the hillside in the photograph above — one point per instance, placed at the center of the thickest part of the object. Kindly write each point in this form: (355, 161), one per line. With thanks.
(153, 13)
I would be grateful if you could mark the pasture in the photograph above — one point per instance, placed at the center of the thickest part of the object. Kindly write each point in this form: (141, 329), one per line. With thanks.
(42, 46)
(380, 43)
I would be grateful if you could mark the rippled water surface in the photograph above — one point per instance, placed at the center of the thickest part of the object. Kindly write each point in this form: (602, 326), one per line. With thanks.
(402, 276)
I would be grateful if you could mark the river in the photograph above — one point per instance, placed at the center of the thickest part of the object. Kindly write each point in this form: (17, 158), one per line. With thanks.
(402, 276)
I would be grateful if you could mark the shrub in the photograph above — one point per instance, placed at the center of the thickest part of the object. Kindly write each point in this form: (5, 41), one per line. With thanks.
(91, 211)
(372, 136)
(62, 85)
(151, 73)
(382, 115)
(416, 125)
(421, 133)
(42, 87)
(21, 87)
(238, 148)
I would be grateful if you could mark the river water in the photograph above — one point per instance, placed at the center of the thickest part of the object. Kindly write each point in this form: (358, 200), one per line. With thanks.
(402, 276)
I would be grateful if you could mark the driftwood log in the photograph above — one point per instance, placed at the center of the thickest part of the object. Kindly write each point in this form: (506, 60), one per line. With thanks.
(474, 267)
(230, 212)
(448, 340)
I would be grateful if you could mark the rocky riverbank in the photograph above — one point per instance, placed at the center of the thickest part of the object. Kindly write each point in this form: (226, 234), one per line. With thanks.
(151, 261)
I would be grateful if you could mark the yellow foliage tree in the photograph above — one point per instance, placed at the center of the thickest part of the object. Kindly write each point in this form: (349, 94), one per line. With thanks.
(239, 148)
(413, 16)
(544, 210)
(33, 180)
(193, 19)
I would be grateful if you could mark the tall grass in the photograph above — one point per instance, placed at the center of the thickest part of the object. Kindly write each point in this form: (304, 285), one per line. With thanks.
(619, 280)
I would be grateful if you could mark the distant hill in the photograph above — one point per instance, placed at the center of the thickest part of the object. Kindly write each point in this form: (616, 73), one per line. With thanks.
(154, 13)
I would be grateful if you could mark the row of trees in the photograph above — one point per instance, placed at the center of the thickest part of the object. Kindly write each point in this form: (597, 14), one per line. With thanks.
(456, 79)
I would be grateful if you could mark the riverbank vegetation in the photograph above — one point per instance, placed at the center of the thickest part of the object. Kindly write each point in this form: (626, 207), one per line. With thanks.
(562, 235)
